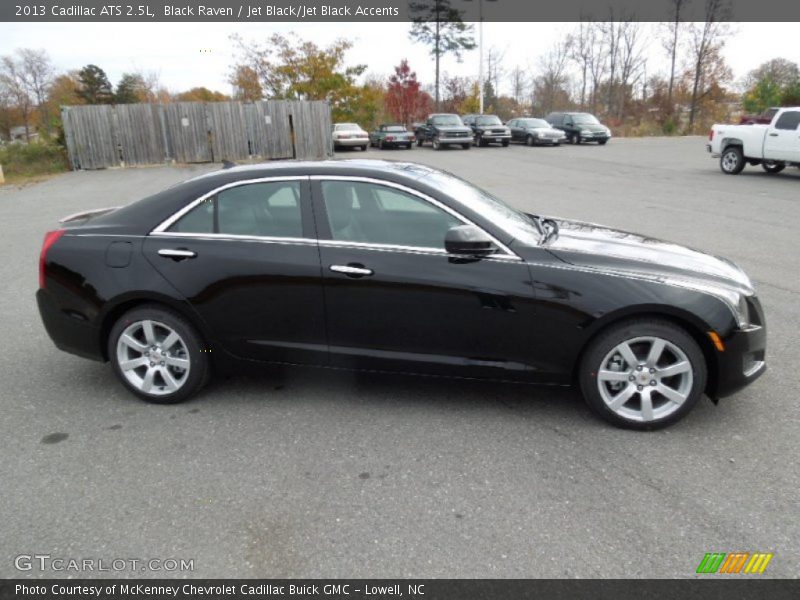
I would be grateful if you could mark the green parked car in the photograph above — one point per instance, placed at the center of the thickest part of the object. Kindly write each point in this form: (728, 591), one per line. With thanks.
(391, 136)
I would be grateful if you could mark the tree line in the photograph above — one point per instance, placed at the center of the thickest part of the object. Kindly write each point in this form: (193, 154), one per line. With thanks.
(599, 66)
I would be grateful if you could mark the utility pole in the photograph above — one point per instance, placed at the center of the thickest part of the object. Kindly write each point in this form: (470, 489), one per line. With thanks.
(480, 56)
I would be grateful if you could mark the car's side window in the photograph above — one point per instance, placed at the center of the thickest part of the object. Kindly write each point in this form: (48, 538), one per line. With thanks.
(376, 214)
(789, 120)
(269, 209)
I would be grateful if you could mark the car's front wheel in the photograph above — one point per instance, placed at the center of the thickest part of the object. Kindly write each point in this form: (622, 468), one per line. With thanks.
(158, 355)
(643, 374)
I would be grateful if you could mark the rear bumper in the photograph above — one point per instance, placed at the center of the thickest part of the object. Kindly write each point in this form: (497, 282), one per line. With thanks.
(742, 362)
(352, 142)
(68, 332)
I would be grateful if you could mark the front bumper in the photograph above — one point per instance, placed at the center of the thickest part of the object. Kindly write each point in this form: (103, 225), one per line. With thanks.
(488, 136)
(742, 362)
(455, 140)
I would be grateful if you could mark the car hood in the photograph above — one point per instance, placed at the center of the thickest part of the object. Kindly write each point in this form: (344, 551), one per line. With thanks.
(595, 246)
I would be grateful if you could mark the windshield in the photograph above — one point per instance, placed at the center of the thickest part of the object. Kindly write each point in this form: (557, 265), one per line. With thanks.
(586, 119)
(516, 223)
(394, 128)
(535, 123)
(489, 120)
(446, 120)
(347, 127)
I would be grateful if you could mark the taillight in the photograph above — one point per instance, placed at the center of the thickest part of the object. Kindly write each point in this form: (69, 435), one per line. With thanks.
(50, 238)
(711, 136)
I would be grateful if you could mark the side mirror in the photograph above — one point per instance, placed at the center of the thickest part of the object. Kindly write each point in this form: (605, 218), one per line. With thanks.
(468, 240)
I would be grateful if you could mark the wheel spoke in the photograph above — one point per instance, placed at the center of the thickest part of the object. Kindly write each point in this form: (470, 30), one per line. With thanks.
(131, 342)
(134, 363)
(606, 375)
(670, 394)
(647, 405)
(620, 399)
(656, 349)
(149, 334)
(675, 369)
(174, 361)
(170, 340)
(169, 380)
(627, 353)
(147, 383)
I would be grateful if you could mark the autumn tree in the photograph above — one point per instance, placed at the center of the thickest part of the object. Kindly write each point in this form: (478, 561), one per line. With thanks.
(16, 91)
(405, 100)
(246, 86)
(437, 24)
(295, 69)
(95, 86)
(772, 83)
(200, 94)
(130, 89)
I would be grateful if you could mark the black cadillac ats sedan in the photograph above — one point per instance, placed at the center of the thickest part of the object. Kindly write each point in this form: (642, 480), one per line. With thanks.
(394, 267)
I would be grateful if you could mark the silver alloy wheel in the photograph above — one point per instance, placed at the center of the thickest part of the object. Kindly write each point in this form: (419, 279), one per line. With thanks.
(645, 379)
(730, 160)
(153, 357)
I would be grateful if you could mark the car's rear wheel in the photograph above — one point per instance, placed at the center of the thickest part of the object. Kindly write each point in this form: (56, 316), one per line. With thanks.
(158, 355)
(773, 167)
(732, 160)
(643, 374)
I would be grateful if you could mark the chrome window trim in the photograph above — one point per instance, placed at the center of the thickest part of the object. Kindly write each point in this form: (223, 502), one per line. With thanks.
(232, 237)
(507, 253)
(169, 221)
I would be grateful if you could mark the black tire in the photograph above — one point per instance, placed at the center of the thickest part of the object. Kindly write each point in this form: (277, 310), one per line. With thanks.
(602, 142)
(479, 140)
(731, 161)
(196, 352)
(364, 148)
(773, 168)
(436, 144)
(505, 143)
(380, 144)
(599, 349)
(419, 141)
(466, 146)
(529, 140)
(574, 138)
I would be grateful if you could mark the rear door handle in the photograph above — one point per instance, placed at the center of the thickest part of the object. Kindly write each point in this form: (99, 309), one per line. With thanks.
(352, 270)
(176, 254)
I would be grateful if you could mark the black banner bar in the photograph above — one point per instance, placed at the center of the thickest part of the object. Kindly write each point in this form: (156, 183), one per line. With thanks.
(150, 11)
(712, 588)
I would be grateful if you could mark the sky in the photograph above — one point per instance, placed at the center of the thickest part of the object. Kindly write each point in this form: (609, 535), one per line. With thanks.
(187, 55)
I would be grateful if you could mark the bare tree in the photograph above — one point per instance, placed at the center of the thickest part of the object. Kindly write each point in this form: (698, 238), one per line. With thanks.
(706, 40)
(15, 88)
(671, 43)
(519, 83)
(550, 86)
(584, 48)
(631, 62)
(38, 74)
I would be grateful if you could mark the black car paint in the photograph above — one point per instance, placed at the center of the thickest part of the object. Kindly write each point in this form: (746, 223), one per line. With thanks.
(565, 122)
(430, 131)
(495, 133)
(523, 320)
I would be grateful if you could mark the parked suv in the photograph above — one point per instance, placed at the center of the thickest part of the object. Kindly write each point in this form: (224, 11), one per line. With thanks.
(443, 129)
(488, 129)
(580, 127)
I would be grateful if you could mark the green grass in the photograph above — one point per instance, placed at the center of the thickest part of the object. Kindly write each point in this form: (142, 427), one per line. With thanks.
(28, 161)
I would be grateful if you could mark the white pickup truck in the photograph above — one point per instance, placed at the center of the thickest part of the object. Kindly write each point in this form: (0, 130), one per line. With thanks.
(774, 146)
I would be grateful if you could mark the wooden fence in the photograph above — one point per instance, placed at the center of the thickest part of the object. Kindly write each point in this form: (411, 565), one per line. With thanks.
(100, 136)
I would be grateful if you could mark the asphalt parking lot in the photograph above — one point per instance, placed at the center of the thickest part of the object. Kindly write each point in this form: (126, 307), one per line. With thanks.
(311, 473)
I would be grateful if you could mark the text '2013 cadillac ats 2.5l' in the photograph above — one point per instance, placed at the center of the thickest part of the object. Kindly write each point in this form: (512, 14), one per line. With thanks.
(392, 266)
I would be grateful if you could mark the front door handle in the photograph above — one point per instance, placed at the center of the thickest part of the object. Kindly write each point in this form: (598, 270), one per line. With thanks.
(176, 254)
(352, 270)
(773, 135)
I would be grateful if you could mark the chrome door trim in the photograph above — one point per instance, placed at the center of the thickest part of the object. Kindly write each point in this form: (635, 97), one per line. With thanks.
(348, 270)
(167, 223)
(508, 254)
(232, 237)
(174, 253)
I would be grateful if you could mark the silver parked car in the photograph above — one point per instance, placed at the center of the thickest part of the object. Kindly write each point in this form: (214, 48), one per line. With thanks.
(349, 135)
(534, 132)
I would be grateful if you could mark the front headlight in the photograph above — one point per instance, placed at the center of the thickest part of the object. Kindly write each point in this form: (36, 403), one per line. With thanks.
(736, 301)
